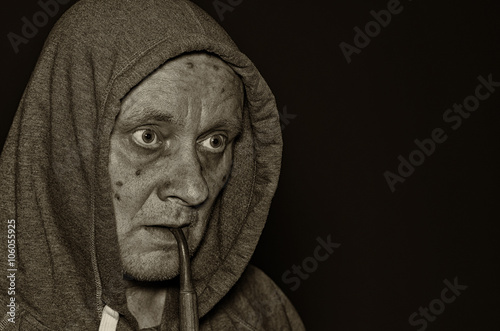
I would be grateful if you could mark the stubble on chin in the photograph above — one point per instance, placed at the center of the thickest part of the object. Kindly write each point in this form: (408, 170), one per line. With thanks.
(151, 266)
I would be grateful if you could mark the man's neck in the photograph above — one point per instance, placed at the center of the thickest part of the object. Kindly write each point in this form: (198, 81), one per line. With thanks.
(146, 303)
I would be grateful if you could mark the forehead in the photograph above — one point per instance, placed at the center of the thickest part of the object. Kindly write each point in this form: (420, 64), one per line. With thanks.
(205, 67)
(188, 87)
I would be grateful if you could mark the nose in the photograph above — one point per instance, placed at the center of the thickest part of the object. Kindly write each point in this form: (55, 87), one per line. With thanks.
(184, 182)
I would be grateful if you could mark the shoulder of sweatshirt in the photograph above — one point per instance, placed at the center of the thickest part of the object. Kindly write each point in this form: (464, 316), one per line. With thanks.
(254, 303)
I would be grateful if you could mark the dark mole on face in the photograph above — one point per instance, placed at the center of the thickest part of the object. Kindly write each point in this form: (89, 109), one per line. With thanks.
(223, 89)
(117, 196)
(119, 183)
(138, 172)
(190, 64)
(216, 67)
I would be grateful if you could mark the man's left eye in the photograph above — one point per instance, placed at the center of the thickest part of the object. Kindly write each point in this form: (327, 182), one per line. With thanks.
(215, 143)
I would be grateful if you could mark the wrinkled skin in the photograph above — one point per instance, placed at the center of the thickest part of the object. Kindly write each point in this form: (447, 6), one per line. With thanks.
(171, 154)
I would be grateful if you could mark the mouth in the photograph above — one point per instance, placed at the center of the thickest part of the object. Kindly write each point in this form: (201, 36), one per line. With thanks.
(161, 234)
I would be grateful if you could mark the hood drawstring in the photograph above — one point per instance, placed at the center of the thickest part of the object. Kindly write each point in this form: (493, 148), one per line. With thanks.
(109, 320)
(188, 308)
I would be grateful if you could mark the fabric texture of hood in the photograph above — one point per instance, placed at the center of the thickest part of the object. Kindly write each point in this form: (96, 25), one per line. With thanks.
(54, 165)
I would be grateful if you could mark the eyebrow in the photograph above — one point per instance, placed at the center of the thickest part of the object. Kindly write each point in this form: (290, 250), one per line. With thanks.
(150, 114)
(233, 124)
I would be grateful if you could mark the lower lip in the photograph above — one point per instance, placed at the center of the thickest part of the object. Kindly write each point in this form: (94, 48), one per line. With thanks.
(162, 235)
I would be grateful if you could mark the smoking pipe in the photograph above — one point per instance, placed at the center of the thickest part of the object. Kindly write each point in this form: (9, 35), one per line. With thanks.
(188, 308)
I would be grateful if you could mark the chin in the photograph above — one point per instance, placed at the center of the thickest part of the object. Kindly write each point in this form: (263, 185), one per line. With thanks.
(151, 267)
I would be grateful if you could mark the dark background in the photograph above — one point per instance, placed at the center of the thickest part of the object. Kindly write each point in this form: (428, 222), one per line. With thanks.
(351, 123)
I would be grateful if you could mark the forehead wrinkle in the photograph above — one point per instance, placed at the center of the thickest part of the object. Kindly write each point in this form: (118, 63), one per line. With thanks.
(224, 115)
(231, 93)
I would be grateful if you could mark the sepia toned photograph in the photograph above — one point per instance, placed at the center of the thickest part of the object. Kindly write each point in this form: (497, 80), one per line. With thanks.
(250, 165)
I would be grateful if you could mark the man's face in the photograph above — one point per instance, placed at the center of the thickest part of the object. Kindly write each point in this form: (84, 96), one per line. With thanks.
(171, 154)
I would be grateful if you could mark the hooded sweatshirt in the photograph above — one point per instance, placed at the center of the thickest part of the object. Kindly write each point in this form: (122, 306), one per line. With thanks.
(56, 207)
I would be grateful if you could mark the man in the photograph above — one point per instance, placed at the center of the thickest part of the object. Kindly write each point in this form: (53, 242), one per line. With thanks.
(142, 124)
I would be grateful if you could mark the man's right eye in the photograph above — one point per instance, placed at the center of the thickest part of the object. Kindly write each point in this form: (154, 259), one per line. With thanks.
(146, 138)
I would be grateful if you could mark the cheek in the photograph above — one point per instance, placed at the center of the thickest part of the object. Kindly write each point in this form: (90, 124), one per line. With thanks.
(128, 183)
(216, 173)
